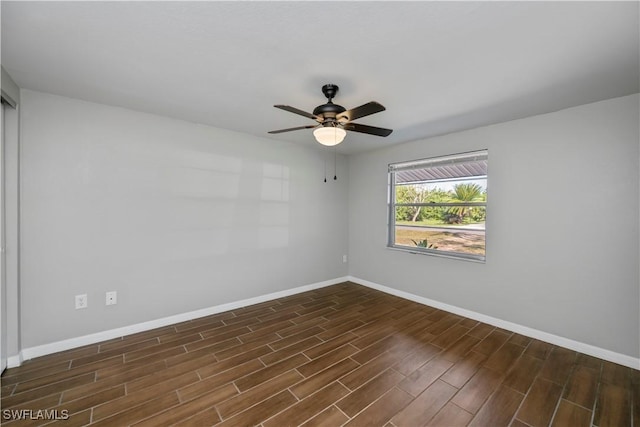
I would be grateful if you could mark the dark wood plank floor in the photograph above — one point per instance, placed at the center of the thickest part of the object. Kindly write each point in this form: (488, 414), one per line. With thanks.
(341, 355)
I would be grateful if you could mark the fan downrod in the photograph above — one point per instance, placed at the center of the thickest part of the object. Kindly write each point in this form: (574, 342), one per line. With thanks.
(330, 91)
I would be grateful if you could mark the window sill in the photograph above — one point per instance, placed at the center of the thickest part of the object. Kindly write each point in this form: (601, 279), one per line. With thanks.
(438, 254)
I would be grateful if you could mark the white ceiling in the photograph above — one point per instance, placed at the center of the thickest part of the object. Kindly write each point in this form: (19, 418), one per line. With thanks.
(438, 67)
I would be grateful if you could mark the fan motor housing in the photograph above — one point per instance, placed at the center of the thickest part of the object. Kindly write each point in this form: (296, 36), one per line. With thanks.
(328, 110)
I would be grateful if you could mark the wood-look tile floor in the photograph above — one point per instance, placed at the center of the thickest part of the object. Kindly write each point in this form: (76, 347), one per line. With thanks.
(340, 355)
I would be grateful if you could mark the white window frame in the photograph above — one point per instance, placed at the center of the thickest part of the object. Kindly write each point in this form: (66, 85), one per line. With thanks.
(433, 162)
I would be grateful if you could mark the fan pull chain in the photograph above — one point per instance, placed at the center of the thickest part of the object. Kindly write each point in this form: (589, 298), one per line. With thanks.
(325, 169)
(335, 163)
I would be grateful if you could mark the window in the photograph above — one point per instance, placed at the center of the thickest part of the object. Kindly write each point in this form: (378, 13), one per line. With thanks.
(438, 206)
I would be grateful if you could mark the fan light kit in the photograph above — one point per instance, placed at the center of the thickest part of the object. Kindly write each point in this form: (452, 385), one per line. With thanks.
(329, 136)
(334, 120)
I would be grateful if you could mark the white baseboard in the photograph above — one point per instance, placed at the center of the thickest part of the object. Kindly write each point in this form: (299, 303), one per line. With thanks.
(601, 353)
(14, 361)
(43, 350)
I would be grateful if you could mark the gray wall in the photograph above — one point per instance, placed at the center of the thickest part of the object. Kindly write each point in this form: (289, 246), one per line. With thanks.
(562, 226)
(172, 215)
(177, 217)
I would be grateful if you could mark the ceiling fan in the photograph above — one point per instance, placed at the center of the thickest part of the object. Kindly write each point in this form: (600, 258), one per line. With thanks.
(334, 120)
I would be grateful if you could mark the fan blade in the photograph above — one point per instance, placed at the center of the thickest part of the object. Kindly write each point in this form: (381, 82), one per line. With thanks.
(371, 130)
(296, 111)
(290, 129)
(361, 111)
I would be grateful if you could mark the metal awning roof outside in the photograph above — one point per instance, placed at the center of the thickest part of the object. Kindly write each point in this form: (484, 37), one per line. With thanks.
(468, 169)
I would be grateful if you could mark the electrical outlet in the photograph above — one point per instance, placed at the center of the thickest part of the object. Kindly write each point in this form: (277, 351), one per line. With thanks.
(112, 298)
(81, 301)
(344, 258)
